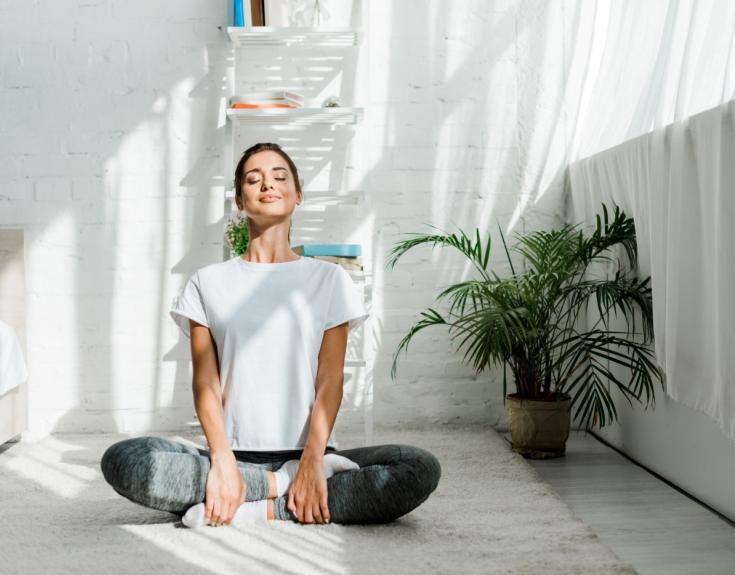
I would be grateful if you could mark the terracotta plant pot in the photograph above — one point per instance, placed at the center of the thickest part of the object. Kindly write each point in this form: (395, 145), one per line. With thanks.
(539, 428)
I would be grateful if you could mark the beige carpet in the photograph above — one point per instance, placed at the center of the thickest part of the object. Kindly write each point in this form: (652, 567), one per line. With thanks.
(491, 513)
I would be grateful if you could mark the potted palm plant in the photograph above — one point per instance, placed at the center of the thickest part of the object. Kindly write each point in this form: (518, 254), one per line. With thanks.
(533, 322)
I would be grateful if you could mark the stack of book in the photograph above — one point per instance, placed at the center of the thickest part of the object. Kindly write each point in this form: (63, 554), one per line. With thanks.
(349, 256)
(268, 99)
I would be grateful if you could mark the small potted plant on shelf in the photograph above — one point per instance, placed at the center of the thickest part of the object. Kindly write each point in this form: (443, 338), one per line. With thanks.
(529, 321)
(237, 234)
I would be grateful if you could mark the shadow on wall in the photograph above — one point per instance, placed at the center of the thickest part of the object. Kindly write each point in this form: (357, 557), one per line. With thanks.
(470, 133)
(131, 209)
(465, 115)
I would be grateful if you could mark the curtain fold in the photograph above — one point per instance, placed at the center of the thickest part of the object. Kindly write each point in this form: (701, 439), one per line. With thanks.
(678, 183)
(651, 104)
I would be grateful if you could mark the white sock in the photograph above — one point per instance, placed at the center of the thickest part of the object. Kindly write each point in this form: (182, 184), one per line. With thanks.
(248, 512)
(333, 463)
(285, 475)
(251, 511)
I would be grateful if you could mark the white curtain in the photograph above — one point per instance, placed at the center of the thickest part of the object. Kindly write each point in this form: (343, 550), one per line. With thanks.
(654, 131)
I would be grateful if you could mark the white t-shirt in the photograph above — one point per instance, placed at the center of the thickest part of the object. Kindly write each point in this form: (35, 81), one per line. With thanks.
(268, 321)
(13, 370)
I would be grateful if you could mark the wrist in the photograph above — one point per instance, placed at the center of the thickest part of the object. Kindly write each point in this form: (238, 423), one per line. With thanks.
(221, 455)
(312, 454)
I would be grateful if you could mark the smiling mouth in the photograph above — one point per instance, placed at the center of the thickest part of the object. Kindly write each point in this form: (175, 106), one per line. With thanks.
(269, 198)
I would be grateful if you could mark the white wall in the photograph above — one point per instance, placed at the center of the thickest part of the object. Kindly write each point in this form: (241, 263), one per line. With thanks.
(465, 128)
(109, 154)
(111, 158)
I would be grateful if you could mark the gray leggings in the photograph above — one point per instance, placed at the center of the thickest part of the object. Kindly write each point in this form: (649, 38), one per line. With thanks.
(159, 473)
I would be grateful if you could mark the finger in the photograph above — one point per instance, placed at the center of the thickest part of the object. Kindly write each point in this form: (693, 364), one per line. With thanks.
(231, 508)
(234, 506)
(221, 511)
(325, 509)
(216, 511)
(299, 512)
(295, 508)
(227, 514)
(208, 509)
(317, 513)
(315, 509)
(308, 514)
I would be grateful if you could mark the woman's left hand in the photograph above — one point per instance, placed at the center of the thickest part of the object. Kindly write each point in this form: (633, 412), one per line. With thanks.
(307, 494)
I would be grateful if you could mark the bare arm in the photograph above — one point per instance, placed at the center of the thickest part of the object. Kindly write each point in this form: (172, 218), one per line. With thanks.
(329, 381)
(207, 390)
(307, 495)
(225, 489)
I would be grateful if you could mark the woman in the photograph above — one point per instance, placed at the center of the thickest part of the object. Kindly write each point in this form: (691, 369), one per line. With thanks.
(269, 333)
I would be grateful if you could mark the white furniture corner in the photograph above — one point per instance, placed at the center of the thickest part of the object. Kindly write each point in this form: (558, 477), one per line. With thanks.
(14, 402)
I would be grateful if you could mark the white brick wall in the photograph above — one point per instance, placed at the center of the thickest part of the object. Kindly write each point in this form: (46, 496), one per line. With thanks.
(464, 127)
(110, 158)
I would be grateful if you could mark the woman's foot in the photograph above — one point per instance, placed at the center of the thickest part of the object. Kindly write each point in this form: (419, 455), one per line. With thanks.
(248, 512)
(333, 463)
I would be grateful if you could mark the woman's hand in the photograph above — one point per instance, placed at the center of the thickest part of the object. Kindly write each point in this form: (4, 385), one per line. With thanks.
(307, 494)
(225, 490)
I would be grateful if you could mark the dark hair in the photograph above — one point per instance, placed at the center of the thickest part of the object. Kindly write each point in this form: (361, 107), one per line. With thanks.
(260, 147)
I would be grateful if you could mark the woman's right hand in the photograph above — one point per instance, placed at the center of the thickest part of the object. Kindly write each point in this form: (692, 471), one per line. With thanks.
(225, 490)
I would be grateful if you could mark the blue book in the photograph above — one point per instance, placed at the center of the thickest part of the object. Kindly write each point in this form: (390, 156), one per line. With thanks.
(239, 13)
(340, 250)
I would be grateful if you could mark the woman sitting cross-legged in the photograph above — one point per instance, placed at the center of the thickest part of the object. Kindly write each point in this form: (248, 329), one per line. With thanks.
(269, 334)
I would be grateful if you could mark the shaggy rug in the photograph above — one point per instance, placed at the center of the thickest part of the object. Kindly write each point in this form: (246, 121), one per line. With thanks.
(491, 513)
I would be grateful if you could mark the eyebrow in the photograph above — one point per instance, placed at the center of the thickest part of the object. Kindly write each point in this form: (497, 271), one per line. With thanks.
(258, 169)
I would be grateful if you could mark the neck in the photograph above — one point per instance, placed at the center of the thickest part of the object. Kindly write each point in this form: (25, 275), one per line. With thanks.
(269, 256)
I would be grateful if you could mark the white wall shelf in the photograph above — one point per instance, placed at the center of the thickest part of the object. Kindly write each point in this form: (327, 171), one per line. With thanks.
(294, 36)
(296, 116)
(268, 58)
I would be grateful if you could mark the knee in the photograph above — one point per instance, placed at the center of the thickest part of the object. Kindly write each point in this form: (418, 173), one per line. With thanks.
(113, 460)
(118, 456)
(426, 466)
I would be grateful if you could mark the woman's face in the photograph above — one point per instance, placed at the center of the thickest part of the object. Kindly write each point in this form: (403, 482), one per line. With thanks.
(269, 190)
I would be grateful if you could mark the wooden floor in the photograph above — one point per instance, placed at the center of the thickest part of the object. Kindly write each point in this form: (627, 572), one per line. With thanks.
(647, 522)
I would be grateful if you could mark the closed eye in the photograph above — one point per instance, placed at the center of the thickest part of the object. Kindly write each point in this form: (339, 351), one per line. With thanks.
(256, 181)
